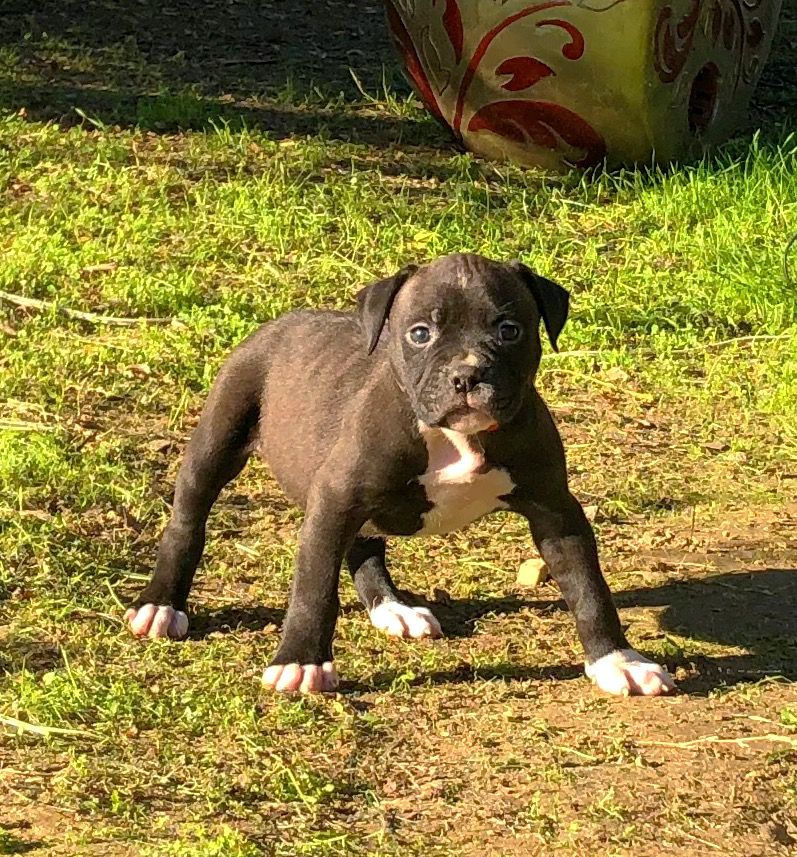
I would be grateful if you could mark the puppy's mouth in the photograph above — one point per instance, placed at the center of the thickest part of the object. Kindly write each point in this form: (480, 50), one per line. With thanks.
(467, 420)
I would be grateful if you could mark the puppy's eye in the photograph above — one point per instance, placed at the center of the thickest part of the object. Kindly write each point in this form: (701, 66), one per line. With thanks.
(509, 331)
(419, 334)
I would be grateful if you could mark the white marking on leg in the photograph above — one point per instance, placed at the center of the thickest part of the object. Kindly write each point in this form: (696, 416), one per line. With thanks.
(401, 620)
(312, 679)
(625, 672)
(330, 676)
(179, 625)
(157, 621)
(141, 619)
(160, 623)
(307, 678)
(291, 678)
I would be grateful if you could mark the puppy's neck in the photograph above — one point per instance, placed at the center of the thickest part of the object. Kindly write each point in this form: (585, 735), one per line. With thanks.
(453, 456)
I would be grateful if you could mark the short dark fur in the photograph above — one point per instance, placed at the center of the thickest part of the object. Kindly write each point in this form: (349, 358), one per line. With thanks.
(332, 401)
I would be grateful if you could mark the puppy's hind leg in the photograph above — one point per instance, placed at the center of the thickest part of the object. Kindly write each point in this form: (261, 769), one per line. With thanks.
(366, 561)
(219, 448)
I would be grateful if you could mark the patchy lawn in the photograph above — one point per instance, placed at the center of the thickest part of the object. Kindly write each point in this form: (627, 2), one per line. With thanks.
(209, 166)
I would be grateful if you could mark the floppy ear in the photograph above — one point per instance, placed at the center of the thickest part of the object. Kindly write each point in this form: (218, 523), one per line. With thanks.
(552, 300)
(374, 302)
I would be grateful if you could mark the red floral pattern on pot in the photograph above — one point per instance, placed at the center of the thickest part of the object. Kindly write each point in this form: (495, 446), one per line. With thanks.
(527, 120)
(559, 83)
(731, 25)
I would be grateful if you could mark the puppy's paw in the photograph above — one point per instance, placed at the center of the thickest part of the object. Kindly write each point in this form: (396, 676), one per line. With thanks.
(153, 620)
(401, 620)
(293, 678)
(627, 672)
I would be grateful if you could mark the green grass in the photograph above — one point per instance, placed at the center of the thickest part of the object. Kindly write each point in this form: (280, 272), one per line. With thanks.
(163, 199)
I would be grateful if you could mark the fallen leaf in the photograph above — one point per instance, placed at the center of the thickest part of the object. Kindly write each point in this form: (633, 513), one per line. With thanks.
(38, 514)
(616, 374)
(533, 572)
(101, 268)
(161, 444)
(140, 370)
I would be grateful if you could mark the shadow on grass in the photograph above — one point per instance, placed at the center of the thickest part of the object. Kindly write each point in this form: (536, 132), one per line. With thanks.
(185, 111)
(34, 655)
(229, 619)
(238, 49)
(175, 65)
(459, 616)
(11, 844)
(756, 611)
(466, 674)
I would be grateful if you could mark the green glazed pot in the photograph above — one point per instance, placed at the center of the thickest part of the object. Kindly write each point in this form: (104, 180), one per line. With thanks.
(577, 82)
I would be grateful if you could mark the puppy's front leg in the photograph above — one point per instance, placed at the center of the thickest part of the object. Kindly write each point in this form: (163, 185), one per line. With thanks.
(566, 542)
(303, 661)
(217, 452)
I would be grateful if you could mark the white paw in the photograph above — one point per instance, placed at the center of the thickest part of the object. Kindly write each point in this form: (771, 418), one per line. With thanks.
(401, 620)
(310, 678)
(627, 672)
(153, 620)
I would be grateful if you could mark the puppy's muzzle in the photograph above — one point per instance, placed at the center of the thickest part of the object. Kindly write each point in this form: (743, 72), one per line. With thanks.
(464, 378)
(472, 402)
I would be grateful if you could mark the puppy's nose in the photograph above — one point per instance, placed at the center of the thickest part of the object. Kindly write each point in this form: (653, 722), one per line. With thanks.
(465, 378)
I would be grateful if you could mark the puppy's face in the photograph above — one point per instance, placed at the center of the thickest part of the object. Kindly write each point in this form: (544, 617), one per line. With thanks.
(462, 335)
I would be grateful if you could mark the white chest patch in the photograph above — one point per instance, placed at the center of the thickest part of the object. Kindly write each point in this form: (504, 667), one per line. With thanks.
(457, 482)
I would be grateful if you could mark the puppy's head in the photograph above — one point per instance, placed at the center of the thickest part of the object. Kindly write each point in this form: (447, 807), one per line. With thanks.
(462, 334)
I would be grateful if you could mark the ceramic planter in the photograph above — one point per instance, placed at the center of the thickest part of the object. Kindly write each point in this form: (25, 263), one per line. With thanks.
(575, 82)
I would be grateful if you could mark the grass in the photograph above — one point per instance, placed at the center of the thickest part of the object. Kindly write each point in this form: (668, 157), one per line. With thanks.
(139, 184)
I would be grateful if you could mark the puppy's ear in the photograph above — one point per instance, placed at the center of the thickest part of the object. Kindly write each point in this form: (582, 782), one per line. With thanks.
(552, 300)
(374, 302)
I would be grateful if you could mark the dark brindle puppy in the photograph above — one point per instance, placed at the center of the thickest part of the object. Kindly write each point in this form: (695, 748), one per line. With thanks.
(417, 414)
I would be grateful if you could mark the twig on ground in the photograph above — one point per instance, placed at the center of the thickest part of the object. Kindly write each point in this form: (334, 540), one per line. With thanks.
(587, 756)
(702, 841)
(736, 340)
(705, 346)
(94, 614)
(244, 61)
(19, 794)
(23, 425)
(585, 353)
(37, 729)
(94, 318)
(755, 590)
(22, 405)
(97, 343)
(715, 739)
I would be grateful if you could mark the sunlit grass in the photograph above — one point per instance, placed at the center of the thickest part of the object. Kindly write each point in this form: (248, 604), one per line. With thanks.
(217, 225)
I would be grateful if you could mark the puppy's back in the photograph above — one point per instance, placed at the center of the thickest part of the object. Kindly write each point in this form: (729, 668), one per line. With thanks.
(316, 365)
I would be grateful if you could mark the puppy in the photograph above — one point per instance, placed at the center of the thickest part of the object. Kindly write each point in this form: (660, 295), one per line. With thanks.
(417, 414)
